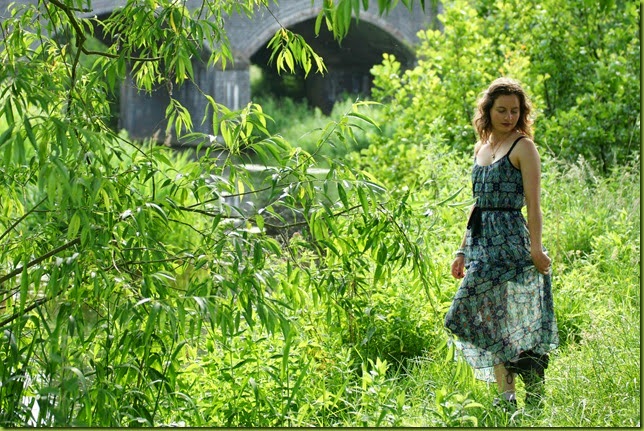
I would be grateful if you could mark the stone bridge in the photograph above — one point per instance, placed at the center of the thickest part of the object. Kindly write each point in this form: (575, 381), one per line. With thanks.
(348, 63)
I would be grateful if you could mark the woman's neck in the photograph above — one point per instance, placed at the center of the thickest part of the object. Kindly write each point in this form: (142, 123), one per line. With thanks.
(498, 137)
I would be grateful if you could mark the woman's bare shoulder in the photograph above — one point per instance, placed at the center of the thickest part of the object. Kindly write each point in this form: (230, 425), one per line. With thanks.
(524, 152)
(526, 140)
(526, 146)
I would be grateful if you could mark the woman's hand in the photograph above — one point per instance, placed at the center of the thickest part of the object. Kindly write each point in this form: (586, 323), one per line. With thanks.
(458, 266)
(541, 261)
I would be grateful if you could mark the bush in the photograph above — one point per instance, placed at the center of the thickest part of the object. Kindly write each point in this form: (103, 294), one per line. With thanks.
(555, 59)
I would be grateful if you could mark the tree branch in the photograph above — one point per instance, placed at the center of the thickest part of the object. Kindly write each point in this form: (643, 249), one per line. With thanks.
(15, 315)
(24, 216)
(80, 35)
(39, 259)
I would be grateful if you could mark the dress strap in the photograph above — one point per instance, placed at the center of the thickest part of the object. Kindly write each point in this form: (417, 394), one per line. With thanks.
(513, 144)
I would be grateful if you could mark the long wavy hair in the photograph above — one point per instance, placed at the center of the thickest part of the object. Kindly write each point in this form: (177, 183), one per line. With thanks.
(502, 87)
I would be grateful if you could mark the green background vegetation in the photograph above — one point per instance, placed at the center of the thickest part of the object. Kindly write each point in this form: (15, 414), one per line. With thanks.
(142, 287)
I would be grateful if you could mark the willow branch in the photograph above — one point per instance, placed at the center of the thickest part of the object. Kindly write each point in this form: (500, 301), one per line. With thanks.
(419, 259)
(17, 314)
(80, 35)
(36, 261)
(24, 216)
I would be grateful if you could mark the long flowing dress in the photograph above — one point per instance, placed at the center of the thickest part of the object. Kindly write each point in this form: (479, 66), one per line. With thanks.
(504, 305)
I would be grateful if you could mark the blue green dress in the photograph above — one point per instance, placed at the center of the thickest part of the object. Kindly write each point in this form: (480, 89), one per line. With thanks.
(504, 305)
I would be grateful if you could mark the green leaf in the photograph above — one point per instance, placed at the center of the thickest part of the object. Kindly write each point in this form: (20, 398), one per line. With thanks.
(259, 221)
(24, 285)
(383, 6)
(158, 155)
(364, 118)
(8, 113)
(74, 226)
(355, 5)
(318, 23)
(258, 255)
(288, 57)
(363, 201)
(151, 322)
(331, 224)
(343, 195)
(451, 197)
(6, 134)
(30, 133)
(52, 187)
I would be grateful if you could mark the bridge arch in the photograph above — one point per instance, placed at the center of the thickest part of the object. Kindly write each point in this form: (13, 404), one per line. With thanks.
(348, 62)
(143, 115)
(293, 16)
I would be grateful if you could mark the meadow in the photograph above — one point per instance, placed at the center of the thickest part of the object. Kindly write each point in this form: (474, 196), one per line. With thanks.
(380, 355)
(142, 286)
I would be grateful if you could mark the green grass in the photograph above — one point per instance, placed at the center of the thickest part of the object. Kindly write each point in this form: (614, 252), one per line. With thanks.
(375, 354)
(593, 379)
(305, 126)
(592, 225)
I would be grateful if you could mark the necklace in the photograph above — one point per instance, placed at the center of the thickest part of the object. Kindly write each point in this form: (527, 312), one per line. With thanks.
(494, 150)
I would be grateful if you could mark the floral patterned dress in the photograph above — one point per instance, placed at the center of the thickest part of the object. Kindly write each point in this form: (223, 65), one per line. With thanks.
(504, 305)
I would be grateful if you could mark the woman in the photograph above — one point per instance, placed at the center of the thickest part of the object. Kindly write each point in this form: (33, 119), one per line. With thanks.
(502, 314)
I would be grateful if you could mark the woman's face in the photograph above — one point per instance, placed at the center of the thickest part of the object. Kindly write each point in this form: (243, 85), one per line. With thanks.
(505, 113)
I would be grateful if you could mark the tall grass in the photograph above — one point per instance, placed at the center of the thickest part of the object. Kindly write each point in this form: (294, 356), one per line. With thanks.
(361, 353)
(397, 368)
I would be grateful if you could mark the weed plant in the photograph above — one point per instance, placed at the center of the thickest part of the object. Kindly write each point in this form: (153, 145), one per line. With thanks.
(353, 349)
(380, 357)
(145, 288)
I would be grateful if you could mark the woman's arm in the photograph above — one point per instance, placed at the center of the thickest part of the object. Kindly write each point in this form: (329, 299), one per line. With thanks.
(526, 158)
(458, 264)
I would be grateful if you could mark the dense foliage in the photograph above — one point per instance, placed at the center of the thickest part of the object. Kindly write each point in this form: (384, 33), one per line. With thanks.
(144, 287)
(580, 61)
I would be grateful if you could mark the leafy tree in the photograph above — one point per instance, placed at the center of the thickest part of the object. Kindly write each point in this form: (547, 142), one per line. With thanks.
(590, 73)
(129, 275)
(121, 260)
(580, 61)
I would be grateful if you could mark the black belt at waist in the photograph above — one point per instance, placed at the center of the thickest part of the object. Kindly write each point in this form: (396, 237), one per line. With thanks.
(476, 218)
